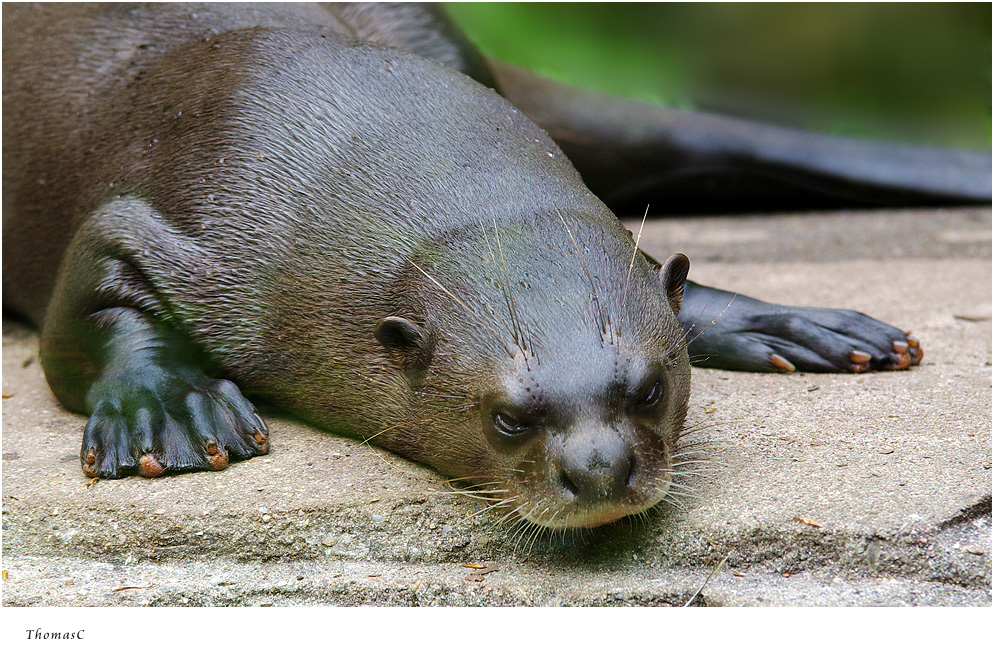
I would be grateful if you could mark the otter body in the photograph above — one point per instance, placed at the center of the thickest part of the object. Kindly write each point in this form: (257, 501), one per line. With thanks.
(202, 202)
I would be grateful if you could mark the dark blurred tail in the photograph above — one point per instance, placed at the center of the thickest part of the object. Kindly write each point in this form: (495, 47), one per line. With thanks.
(632, 154)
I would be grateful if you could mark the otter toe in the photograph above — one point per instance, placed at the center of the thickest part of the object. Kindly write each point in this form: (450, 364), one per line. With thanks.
(914, 349)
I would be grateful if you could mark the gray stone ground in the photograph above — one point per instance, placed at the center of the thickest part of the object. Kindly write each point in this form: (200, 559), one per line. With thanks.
(894, 469)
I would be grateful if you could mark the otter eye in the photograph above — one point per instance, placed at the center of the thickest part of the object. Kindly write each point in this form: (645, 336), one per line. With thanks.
(650, 396)
(508, 424)
(654, 395)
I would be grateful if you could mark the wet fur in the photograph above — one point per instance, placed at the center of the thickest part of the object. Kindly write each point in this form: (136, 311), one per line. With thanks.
(356, 234)
(360, 263)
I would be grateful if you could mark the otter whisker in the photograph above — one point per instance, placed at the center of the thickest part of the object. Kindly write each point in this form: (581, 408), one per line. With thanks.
(489, 493)
(677, 498)
(686, 463)
(675, 502)
(695, 446)
(482, 496)
(497, 505)
(510, 521)
(672, 355)
(693, 454)
(593, 288)
(502, 502)
(709, 325)
(514, 527)
(693, 474)
(687, 435)
(521, 541)
(681, 494)
(631, 264)
(458, 301)
(524, 527)
(693, 468)
(511, 513)
(518, 334)
(702, 426)
(434, 395)
(537, 533)
(698, 455)
(366, 440)
(474, 487)
(464, 478)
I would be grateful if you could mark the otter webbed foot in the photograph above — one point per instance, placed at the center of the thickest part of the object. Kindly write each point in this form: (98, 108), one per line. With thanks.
(114, 347)
(171, 425)
(153, 409)
(735, 332)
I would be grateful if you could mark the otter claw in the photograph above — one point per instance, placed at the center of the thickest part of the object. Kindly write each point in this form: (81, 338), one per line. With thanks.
(782, 364)
(218, 461)
(218, 457)
(859, 361)
(916, 349)
(860, 357)
(89, 463)
(150, 467)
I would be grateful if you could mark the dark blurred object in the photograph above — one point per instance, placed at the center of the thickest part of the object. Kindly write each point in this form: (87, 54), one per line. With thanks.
(759, 76)
(908, 71)
(632, 155)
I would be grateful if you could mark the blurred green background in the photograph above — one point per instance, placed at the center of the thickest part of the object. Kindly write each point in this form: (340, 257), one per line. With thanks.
(918, 71)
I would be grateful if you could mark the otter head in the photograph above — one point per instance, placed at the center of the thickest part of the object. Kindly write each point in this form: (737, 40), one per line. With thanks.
(583, 432)
(565, 377)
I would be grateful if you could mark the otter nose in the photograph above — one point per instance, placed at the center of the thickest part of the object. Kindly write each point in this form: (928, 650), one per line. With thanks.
(597, 471)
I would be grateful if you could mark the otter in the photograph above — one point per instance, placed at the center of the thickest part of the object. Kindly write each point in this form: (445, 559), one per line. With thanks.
(209, 204)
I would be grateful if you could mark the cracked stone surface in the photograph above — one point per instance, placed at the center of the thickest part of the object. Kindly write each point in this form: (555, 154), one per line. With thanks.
(871, 489)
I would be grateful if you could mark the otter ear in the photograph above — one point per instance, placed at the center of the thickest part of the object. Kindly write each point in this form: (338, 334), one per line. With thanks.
(407, 343)
(673, 275)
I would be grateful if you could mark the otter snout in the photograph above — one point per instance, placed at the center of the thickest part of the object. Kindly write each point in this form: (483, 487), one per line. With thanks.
(597, 466)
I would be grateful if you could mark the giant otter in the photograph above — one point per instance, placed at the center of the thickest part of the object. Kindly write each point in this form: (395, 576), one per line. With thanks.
(202, 202)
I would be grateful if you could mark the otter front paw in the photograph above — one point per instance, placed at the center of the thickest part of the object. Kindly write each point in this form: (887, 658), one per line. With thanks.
(151, 432)
(808, 339)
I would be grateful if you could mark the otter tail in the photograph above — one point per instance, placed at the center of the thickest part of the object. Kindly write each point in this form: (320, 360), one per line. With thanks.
(632, 154)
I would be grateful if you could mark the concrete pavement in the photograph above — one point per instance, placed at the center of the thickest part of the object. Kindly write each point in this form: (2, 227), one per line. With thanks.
(870, 489)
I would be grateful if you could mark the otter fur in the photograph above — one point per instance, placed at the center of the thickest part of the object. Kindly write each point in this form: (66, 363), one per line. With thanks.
(207, 204)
